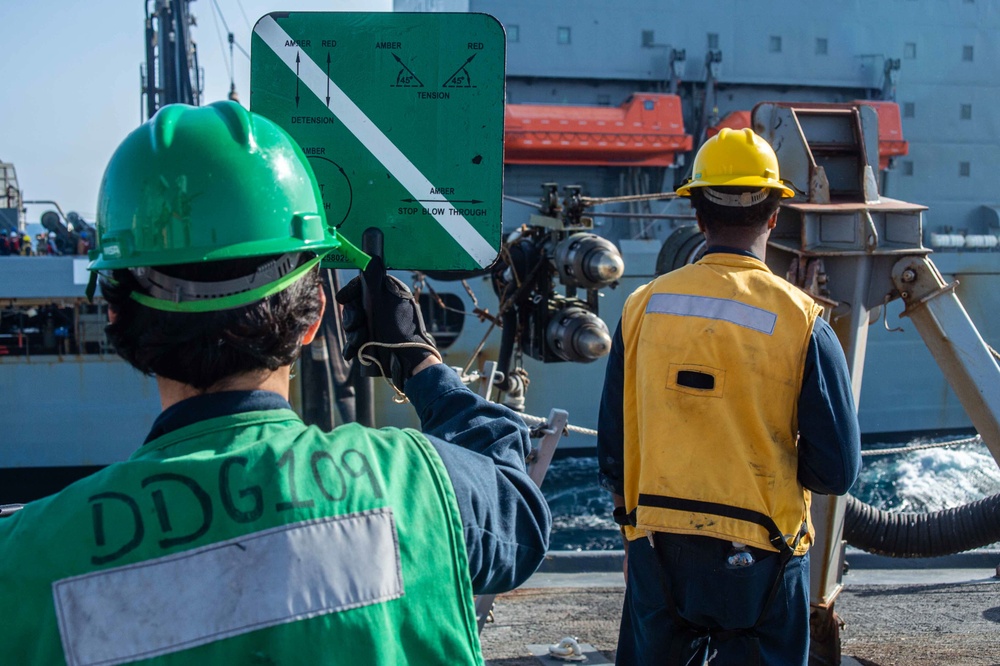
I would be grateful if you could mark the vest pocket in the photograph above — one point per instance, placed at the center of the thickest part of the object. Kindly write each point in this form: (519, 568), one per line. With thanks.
(698, 380)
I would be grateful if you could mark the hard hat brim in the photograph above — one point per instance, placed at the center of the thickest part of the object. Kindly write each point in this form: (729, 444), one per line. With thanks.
(743, 181)
(200, 255)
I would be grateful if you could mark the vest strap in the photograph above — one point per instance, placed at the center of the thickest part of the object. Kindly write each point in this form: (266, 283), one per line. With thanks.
(776, 537)
(703, 635)
(621, 517)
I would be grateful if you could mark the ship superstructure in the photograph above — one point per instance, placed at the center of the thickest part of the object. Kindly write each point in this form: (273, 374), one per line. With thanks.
(925, 65)
(614, 100)
(75, 405)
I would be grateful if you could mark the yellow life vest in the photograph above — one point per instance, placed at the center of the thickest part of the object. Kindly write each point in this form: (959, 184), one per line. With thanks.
(714, 356)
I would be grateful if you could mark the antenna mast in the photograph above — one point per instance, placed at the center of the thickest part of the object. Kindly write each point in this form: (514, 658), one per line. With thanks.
(171, 72)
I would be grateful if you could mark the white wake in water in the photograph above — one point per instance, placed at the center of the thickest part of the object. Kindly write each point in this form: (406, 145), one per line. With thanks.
(918, 481)
(929, 480)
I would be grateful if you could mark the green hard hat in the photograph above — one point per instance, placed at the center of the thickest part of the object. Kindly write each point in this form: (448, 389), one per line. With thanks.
(196, 184)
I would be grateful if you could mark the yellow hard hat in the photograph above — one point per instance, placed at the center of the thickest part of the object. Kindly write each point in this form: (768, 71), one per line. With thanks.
(736, 158)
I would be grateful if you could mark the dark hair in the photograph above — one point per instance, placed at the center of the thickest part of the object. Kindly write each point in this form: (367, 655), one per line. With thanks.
(715, 216)
(203, 349)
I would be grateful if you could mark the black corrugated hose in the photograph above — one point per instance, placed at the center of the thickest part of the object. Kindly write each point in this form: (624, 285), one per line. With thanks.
(922, 534)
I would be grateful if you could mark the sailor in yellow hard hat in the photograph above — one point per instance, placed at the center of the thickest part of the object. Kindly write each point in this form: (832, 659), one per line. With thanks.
(237, 534)
(727, 400)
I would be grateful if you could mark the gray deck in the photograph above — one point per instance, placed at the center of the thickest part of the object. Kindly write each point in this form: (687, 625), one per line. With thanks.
(906, 615)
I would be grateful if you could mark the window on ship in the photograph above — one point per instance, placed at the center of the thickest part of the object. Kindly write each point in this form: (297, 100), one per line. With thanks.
(443, 318)
(39, 328)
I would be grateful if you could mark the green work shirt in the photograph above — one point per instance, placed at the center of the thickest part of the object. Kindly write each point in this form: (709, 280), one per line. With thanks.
(245, 539)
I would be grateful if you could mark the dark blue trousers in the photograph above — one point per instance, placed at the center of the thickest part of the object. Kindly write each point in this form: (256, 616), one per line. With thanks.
(709, 593)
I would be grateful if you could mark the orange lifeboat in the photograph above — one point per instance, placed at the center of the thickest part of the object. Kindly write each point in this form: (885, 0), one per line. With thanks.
(736, 120)
(890, 131)
(890, 128)
(647, 130)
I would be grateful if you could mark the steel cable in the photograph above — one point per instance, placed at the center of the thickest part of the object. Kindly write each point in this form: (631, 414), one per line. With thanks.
(920, 447)
(596, 201)
(529, 419)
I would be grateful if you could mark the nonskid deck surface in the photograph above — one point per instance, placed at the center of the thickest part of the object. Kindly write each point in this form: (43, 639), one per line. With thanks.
(908, 615)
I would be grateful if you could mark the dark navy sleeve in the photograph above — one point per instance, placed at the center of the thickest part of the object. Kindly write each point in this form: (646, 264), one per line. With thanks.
(829, 434)
(483, 446)
(610, 423)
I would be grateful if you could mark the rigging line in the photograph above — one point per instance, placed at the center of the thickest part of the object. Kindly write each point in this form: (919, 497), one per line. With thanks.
(506, 256)
(222, 47)
(219, 10)
(919, 447)
(645, 216)
(437, 298)
(596, 201)
(472, 295)
(530, 419)
(478, 314)
(524, 202)
(242, 50)
(479, 348)
(447, 308)
(243, 11)
(232, 36)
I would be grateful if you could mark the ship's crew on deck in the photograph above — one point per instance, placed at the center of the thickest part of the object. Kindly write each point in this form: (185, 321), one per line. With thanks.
(9, 243)
(52, 245)
(236, 534)
(726, 401)
(83, 243)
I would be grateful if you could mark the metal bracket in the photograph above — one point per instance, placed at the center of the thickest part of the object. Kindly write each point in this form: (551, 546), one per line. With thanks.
(819, 187)
(486, 379)
(871, 233)
(870, 186)
(885, 316)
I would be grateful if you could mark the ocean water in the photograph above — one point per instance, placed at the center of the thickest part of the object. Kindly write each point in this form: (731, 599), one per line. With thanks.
(926, 480)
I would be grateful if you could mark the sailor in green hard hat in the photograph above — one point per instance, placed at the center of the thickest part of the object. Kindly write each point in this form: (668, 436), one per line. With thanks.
(236, 534)
(727, 399)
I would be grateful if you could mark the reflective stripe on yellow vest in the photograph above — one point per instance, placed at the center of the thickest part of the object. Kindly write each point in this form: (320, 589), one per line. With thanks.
(714, 354)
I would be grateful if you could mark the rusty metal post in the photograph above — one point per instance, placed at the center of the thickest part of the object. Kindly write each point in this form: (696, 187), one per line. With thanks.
(838, 241)
(960, 351)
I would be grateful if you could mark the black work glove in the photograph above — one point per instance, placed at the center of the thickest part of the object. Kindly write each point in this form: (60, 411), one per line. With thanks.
(391, 318)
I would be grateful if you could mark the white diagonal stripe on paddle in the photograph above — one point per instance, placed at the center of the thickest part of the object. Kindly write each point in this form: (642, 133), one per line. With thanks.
(375, 141)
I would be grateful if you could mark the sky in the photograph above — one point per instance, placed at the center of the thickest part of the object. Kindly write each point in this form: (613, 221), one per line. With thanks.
(70, 85)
